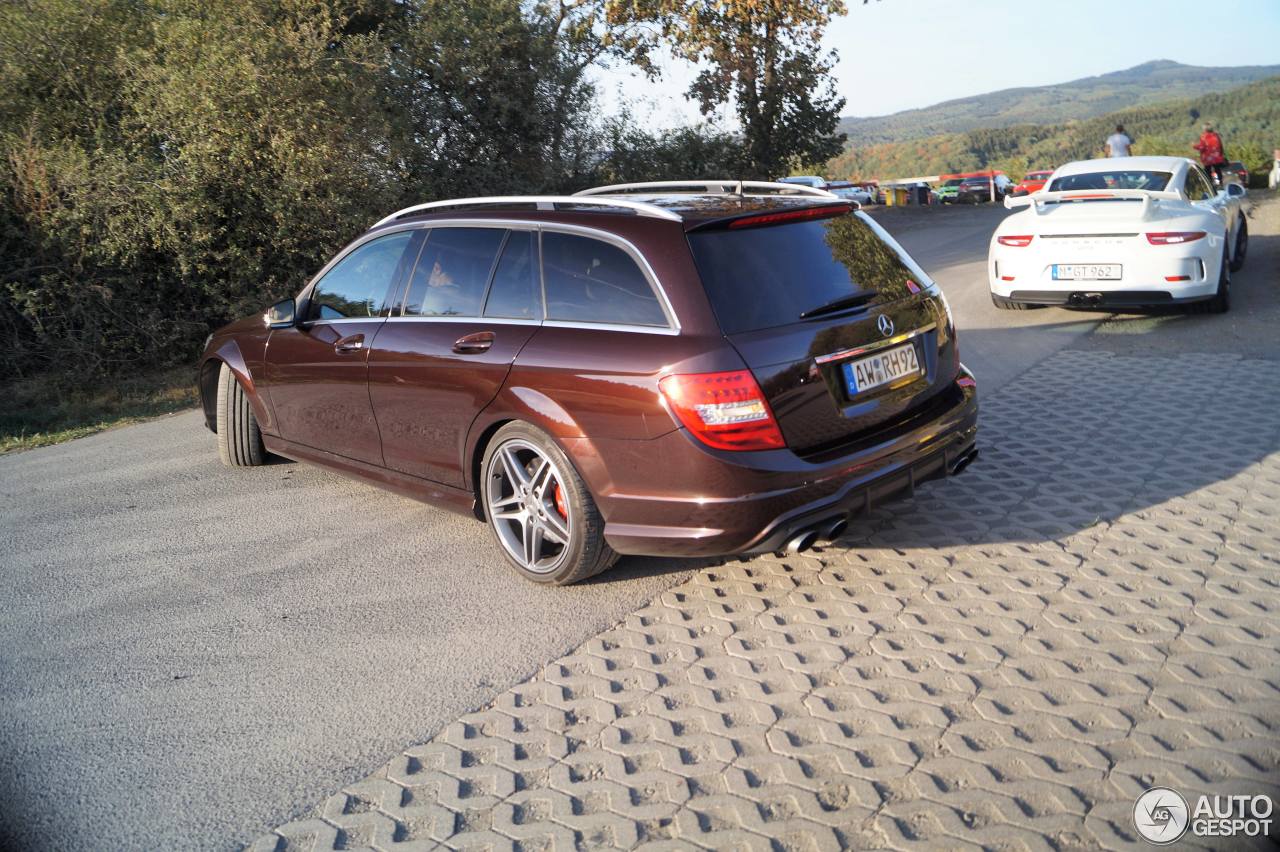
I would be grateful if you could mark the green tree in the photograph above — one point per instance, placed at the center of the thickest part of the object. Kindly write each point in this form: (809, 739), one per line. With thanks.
(764, 57)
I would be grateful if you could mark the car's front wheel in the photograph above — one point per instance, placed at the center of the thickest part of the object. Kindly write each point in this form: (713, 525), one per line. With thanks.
(540, 510)
(239, 438)
(1242, 245)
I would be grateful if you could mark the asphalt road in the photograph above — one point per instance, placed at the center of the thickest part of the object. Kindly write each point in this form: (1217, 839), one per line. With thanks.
(192, 654)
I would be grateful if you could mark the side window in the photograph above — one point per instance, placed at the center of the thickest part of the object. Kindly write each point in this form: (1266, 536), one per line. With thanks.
(1197, 185)
(516, 292)
(357, 286)
(588, 280)
(452, 272)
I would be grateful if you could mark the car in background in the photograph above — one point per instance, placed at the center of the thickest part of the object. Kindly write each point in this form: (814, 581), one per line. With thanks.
(851, 191)
(947, 191)
(1032, 182)
(1121, 233)
(806, 180)
(677, 368)
(978, 189)
(1237, 169)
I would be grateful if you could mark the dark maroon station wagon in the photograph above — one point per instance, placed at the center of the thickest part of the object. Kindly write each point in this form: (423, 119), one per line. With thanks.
(687, 369)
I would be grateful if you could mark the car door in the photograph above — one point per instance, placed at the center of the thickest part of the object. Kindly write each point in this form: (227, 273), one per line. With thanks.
(318, 370)
(472, 301)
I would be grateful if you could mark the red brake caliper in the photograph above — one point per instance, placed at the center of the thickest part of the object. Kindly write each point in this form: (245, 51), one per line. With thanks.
(560, 504)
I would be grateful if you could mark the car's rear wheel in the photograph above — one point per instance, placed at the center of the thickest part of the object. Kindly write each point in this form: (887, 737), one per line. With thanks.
(239, 438)
(540, 510)
(1220, 302)
(1242, 245)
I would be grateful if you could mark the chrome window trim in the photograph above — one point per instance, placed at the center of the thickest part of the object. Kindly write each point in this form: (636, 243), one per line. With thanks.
(609, 326)
(673, 322)
(871, 347)
(469, 319)
(673, 326)
(340, 321)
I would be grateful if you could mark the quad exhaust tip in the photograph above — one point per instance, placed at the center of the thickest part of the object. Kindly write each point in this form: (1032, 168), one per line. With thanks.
(827, 530)
(958, 465)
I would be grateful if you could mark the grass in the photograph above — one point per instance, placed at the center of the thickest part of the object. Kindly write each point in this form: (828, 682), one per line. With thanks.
(39, 412)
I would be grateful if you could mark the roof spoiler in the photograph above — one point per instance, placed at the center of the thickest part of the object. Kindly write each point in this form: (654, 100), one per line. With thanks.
(1040, 201)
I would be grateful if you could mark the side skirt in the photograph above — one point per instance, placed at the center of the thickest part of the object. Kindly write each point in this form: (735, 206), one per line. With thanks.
(415, 488)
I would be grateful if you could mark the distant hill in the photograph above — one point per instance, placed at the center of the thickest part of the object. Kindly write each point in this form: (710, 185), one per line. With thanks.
(1149, 83)
(1248, 118)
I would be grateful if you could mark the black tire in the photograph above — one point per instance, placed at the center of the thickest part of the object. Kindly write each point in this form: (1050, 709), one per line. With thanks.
(1220, 302)
(586, 553)
(239, 438)
(1242, 245)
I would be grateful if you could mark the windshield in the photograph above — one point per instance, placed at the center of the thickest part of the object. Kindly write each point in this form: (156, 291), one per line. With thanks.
(766, 277)
(1152, 181)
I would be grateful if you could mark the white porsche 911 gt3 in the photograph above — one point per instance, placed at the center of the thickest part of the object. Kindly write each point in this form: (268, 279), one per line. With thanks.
(1121, 232)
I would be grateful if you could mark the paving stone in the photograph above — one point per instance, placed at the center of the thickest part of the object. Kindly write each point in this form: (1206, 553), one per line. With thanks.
(1002, 660)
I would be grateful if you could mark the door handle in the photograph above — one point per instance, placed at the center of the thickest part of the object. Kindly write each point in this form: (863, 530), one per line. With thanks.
(352, 343)
(472, 344)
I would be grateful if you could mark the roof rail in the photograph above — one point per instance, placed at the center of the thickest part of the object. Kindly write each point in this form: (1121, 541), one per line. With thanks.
(543, 202)
(728, 187)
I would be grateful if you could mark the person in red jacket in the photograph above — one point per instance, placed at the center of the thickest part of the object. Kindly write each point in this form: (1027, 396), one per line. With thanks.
(1212, 157)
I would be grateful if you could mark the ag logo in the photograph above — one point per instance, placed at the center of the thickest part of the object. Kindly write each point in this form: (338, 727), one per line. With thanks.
(1161, 815)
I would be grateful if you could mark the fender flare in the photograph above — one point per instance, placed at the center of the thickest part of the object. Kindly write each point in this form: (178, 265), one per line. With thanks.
(227, 351)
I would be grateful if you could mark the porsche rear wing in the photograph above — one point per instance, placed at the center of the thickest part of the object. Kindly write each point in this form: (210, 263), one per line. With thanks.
(1040, 201)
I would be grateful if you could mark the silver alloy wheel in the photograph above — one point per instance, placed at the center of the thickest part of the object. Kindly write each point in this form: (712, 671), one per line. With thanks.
(520, 491)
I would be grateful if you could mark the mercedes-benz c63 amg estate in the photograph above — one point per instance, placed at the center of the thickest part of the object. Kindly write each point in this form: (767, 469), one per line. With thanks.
(691, 369)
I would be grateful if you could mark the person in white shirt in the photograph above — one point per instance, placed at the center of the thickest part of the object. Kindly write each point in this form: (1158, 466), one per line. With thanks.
(1119, 143)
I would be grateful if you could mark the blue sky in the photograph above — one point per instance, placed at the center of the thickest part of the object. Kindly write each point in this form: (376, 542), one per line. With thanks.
(894, 54)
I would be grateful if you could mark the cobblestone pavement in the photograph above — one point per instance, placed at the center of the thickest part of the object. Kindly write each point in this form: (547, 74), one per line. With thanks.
(1006, 659)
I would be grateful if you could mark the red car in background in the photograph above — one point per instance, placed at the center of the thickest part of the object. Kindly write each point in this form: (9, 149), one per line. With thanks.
(1033, 182)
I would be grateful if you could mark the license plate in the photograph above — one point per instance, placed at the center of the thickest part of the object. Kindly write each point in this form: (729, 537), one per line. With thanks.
(1087, 271)
(881, 368)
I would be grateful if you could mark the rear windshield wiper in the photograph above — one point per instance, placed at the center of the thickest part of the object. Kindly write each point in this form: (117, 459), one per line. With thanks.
(841, 304)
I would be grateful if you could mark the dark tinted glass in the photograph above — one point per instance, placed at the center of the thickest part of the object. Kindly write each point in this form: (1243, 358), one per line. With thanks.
(588, 280)
(1198, 186)
(1154, 181)
(357, 286)
(515, 292)
(766, 277)
(452, 272)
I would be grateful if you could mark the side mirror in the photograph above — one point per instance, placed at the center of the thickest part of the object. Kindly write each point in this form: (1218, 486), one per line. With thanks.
(280, 315)
(1235, 190)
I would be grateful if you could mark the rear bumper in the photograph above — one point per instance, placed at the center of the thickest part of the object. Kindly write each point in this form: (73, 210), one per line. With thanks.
(1102, 298)
(718, 503)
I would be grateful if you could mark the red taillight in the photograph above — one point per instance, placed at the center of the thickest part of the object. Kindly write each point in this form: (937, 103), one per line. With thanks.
(1006, 277)
(723, 410)
(802, 215)
(912, 286)
(1173, 238)
(1020, 241)
(966, 382)
(1177, 278)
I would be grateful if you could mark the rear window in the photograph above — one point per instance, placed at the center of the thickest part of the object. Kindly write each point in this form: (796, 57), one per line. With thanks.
(766, 277)
(1153, 181)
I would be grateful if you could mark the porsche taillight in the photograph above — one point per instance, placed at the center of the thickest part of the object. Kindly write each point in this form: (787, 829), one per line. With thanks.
(1173, 238)
(723, 410)
(1017, 240)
